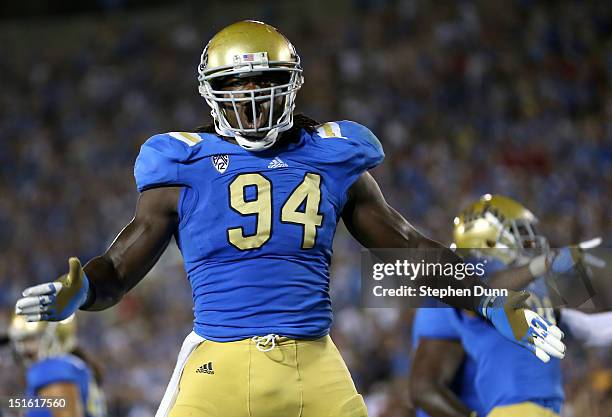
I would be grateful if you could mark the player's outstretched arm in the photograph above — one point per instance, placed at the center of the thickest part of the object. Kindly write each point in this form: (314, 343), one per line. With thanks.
(375, 224)
(592, 330)
(106, 278)
(135, 250)
(557, 261)
(435, 365)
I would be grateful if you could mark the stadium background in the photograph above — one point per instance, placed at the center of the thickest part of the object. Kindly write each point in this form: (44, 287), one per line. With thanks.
(467, 97)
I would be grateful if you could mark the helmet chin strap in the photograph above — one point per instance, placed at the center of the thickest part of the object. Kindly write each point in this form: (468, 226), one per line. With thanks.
(259, 144)
(252, 145)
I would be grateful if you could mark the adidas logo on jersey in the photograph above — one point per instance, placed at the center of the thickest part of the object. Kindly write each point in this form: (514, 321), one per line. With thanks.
(277, 163)
(205, 369)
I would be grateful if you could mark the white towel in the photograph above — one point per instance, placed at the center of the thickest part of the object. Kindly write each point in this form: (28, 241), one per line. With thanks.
(191, 342)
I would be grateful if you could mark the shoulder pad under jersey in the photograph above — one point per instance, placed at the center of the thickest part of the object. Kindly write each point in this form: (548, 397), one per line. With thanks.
(434, 323)
(354, 138)
(348, 149)
(52, 370)
(158, 163)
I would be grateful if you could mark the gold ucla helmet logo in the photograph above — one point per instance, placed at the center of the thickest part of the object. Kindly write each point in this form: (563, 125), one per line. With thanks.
(220, 162)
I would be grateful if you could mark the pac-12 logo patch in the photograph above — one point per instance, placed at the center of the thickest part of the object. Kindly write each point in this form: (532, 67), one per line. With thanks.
(220, 162)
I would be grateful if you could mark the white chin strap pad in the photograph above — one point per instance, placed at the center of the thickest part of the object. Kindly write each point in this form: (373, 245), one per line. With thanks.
(259, 144)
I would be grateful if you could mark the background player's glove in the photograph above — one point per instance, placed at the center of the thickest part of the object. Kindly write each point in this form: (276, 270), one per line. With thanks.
(564, 259)
(513, 320)
(567, 259)
(572, 274)
(55, 301)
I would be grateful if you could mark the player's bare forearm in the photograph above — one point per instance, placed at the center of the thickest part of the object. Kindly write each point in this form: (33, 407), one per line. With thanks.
(434, 367)
(375, 224)
(135, 250)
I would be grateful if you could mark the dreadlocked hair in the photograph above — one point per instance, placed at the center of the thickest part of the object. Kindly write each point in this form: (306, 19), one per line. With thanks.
(207, 128)
(300, 121)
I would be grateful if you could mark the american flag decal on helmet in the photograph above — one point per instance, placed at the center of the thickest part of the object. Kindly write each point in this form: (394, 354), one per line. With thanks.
(251, 58)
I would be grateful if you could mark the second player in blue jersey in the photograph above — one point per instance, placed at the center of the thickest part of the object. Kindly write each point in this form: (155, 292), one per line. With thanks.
(441, 370)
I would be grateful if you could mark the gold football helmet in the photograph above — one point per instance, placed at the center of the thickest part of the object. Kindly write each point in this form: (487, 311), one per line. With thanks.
(244, 49)
(41, 339)
(500, 224)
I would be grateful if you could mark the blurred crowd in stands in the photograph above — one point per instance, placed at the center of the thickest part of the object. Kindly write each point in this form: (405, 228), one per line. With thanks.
(467, 97)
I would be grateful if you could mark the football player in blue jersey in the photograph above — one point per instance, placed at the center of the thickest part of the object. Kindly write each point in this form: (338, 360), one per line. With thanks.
(485, 375)
(253, 202)
(442, 375)
(54, 371)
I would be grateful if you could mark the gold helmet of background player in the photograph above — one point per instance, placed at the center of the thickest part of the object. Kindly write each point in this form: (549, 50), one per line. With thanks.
(244, 49)
(503, 226)
(41, 339)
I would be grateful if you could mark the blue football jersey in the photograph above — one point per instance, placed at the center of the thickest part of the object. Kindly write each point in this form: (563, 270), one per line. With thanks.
(256, 228)
(70, 369)
(439, 323)
(507, 373)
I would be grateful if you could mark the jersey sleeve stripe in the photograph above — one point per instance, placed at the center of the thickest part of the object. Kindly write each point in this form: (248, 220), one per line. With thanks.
(330, 130)
(185, 137)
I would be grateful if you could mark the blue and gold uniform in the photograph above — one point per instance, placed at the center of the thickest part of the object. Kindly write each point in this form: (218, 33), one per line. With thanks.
(511, 381)
(256, 232)
(256, 229)
(65, 369)
(439, 323)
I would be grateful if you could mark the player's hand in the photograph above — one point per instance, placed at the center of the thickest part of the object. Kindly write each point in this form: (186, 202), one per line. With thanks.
(55, 301)
(512, 319)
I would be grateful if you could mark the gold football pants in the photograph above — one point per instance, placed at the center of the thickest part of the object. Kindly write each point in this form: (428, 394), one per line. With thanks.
(527, 409)
(296, 378)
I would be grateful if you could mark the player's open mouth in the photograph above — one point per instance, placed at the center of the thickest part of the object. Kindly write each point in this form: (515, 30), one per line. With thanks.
(260, 121)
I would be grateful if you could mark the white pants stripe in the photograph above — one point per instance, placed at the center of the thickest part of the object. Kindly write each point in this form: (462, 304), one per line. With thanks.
(191, 342)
